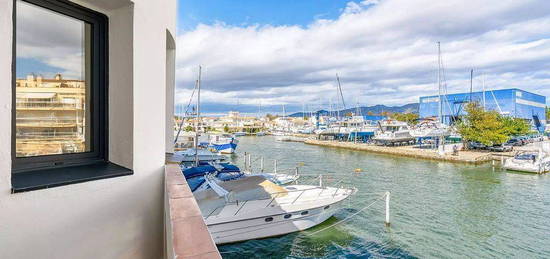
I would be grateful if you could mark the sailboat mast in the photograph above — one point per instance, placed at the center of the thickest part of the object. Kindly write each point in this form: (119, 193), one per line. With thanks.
(440, 108)
(483, 86)
(198, 117)
(471, 83)
(341, 94)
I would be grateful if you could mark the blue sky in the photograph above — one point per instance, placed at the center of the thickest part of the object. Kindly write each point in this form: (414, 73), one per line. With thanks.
(287, 52)
(247, 12)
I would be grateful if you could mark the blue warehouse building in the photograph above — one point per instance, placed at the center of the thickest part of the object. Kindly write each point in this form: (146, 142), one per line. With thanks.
(511, 102)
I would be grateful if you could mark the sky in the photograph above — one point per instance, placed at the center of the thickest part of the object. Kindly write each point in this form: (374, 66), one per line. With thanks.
(272, 53)
(287, 52)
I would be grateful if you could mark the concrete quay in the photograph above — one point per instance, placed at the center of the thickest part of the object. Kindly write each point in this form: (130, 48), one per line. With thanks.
(473, 157)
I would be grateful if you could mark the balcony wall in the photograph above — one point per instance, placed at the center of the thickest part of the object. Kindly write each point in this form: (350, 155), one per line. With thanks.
(186, 234)
(118, 217)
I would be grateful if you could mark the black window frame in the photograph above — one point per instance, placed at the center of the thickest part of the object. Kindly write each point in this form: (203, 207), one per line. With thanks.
(37, 172)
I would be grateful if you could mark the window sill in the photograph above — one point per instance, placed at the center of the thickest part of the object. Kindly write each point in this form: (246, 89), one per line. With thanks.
(48, 178)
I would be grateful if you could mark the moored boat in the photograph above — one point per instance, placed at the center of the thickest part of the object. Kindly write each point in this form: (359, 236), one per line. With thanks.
(529, 161)
(253, 207)
(225, 143)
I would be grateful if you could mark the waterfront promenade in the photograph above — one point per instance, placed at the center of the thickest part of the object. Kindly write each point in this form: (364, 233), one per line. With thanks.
(410, 151)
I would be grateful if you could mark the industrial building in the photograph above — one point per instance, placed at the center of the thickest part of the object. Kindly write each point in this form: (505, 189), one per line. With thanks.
(512, 102)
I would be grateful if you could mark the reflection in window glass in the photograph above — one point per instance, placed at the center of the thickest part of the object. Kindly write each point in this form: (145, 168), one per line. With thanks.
(52, 82)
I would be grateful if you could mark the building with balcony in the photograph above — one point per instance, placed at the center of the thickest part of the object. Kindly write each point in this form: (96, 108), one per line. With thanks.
(50, 115)
(114, 196)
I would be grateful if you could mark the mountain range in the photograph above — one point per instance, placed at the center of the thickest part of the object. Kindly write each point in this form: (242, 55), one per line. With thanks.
(375, 110)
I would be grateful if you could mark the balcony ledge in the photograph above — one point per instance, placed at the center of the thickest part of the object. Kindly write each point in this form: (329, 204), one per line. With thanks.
(187, 235)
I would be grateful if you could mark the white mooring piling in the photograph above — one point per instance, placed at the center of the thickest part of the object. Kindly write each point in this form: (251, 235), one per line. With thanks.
(387, 209)
(250, 162)
(275, 166)
(262, 164)
(245, 166)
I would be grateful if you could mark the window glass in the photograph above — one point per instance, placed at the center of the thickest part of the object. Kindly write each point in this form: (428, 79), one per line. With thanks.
(52, 82)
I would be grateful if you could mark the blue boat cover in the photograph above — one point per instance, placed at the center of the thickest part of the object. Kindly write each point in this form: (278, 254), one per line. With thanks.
(198, 171)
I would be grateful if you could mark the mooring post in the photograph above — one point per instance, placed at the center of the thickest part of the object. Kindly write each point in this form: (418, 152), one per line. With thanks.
(250, 162)
(320, 180)
(245, 162)
(275, 166)
(387, 209)
(262, 164)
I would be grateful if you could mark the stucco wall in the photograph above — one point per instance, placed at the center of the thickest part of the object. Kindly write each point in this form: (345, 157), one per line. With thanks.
(113, 218)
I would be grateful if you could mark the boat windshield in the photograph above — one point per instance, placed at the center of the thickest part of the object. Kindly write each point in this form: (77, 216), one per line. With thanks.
(526, 156)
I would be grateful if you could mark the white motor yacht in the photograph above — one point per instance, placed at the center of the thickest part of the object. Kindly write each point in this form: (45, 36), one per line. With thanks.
(427, 129)
(529, 161)
(393, 131)
(253, 207)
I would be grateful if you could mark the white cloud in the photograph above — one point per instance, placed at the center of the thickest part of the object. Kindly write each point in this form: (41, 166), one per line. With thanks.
(384, 51)
(50, 38)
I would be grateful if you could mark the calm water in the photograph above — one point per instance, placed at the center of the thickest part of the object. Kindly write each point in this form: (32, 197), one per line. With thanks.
(438, 209)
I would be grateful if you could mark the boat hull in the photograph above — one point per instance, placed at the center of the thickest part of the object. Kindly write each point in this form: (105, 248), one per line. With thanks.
(228, 148)
(258, 228)
(526, 167)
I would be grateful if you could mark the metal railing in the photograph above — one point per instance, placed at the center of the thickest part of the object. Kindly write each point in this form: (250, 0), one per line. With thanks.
(21, 104)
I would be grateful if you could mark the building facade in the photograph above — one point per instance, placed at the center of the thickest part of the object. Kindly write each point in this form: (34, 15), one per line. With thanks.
(511, 102)
(122, 216)
(51, 116)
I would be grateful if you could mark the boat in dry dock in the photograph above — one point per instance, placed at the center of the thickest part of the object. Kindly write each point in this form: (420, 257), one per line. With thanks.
(393, 131)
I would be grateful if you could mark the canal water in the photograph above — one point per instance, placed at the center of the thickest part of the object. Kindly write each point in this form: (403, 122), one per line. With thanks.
(438, 209)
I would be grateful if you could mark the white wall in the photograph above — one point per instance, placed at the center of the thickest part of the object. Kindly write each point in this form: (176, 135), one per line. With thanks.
(112, 218)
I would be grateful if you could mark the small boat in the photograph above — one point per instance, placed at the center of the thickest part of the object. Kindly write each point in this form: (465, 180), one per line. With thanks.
(253, 207)
(261, 133)
(225, 143)
(239, 133)
(529, 161)
(283, 138)
(393, 131)
(189, 155)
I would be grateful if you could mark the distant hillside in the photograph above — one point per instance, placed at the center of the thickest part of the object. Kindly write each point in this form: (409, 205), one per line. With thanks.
(375, 110)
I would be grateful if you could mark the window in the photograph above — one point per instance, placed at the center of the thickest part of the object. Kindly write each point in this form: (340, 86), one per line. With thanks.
(268, 219)
(287, 216)
(304, 213)
(60, 92)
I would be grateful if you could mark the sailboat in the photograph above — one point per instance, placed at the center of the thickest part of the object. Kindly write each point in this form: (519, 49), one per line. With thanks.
(434, 128)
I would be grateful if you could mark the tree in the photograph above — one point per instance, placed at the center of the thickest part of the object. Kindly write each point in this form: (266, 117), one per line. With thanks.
(515, 126)
(411, 118)
(547, 113)
(225, 128)
(370, 113)
(271, 117)
(188, 128)
(348, 114)
(486, 127)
